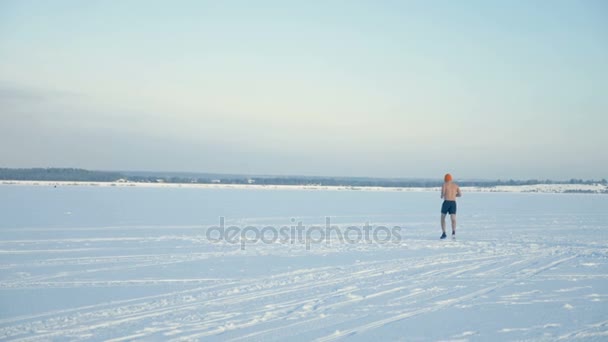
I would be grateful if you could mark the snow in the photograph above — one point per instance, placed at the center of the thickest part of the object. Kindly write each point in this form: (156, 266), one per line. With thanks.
(544, 188)
(134, 263)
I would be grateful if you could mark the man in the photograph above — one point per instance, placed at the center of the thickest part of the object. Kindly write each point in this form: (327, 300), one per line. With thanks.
(449, 192)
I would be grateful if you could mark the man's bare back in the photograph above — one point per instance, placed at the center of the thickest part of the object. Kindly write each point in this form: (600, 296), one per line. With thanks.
(449, 191)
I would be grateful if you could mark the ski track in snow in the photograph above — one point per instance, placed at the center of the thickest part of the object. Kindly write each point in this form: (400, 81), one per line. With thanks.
(306, 300)
(204, 291)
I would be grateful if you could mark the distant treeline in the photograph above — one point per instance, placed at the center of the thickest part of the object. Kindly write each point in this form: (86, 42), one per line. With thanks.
(81, 175)
(56, 174)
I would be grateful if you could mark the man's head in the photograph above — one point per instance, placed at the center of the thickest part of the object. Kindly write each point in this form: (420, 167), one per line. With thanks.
(447, 177)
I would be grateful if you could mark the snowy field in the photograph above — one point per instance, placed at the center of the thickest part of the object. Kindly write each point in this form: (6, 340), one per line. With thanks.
(136, 263)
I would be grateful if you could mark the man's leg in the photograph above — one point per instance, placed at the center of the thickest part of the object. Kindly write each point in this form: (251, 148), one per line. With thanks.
(453, 218)
(443, 223)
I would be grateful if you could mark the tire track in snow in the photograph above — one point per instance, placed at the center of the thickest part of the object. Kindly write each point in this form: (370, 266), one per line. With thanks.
(426, 276)
(438, 306)
(272, 291)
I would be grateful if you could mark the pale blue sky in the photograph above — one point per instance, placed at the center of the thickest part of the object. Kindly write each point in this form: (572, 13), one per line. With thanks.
(483, 89)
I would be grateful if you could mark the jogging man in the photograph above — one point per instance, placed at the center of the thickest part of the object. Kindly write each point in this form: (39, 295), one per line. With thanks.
(449, 192)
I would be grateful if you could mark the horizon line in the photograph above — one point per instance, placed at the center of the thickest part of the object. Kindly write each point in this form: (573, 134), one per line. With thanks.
(270, 175)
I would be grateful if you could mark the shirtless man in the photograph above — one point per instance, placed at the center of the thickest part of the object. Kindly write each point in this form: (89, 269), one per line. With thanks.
(449, 192)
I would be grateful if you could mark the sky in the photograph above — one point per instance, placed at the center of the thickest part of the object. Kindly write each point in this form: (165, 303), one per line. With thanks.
(481, 89)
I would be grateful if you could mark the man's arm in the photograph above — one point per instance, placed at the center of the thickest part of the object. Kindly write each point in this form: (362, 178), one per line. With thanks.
(443, 191)
(458, 193)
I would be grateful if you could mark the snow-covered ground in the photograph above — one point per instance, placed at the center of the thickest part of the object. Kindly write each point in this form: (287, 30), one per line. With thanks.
(135, 263)
(546, 188)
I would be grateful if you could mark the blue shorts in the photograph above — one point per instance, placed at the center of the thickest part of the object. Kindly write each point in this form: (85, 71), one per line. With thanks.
(448, 207)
